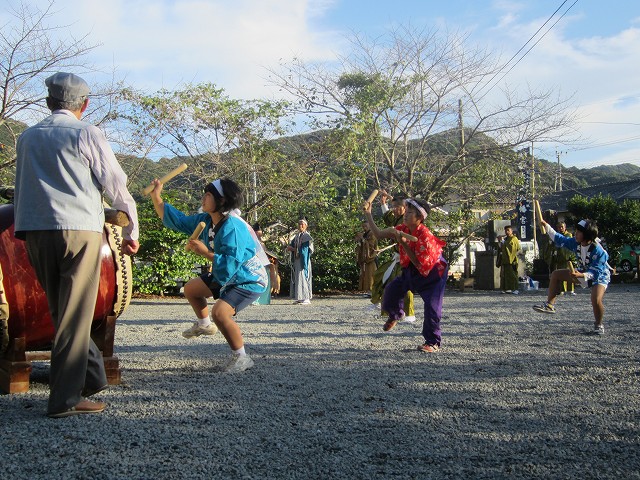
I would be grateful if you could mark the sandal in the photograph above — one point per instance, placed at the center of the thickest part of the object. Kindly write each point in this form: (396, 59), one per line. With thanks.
(389, 324)
(428, 348)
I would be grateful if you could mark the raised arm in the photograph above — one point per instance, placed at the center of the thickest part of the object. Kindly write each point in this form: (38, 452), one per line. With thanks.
(158, 204)
(386, 233)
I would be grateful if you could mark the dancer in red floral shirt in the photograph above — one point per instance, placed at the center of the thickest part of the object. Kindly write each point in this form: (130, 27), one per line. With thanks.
(424, 271)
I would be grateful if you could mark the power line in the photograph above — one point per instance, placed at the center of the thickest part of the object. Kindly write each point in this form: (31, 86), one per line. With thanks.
(613, 123)
(606, 144)
(523, 46)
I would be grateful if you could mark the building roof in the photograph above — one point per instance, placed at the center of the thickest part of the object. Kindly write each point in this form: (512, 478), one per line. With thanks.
(619, 191)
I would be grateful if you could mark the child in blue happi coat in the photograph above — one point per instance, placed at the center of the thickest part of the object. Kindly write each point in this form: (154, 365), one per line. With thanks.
(237, 276)
(592, 270)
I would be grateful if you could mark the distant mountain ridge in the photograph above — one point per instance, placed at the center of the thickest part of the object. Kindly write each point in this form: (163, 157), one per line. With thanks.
(10, 128)
(572, 177)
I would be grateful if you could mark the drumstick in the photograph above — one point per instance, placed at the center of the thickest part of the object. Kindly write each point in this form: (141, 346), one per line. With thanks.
(116, 217)
(373, 196)
(386, 248)
(176, 171)
(196, 233)
(573, 270)
(538, 212)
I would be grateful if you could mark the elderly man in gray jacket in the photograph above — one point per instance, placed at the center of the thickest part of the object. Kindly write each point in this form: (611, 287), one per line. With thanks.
(63, 167)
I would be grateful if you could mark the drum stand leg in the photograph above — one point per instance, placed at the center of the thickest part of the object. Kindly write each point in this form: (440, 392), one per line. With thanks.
(104, 336)
(15, 369)
(15, 365)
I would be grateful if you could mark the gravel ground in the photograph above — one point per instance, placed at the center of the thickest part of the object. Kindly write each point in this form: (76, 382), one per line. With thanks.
(512, 394)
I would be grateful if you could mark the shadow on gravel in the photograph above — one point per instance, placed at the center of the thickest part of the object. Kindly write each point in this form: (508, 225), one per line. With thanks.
(510, 395)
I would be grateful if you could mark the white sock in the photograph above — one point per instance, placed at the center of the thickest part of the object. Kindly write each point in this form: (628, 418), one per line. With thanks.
(240, 352)
(204, 322)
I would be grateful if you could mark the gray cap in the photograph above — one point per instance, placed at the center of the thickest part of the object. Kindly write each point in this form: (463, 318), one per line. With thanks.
(66, 86)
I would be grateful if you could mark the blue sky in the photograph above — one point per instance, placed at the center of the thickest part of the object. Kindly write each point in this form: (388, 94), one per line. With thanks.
(593, 52)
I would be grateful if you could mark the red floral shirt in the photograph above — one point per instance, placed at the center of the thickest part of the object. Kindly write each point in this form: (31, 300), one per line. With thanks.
(428, 249)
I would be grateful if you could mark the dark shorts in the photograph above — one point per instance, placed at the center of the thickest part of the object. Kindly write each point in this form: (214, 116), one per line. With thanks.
(237, 297)
(213, 285)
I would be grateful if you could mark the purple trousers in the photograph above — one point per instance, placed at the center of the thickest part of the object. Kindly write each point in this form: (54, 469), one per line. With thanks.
(431, 290)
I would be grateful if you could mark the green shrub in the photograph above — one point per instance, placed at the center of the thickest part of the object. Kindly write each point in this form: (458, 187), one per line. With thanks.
(161, 260)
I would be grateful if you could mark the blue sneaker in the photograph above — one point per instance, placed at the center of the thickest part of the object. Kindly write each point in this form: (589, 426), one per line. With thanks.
(546, 307)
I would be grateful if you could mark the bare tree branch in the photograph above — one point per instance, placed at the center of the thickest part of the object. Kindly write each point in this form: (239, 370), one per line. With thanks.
(400, 93)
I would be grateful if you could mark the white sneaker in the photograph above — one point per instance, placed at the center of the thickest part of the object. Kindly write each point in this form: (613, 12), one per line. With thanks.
(305, 302)
(516, 292)
(409, 319)
(237, 363)
(597, 330)
(373, 307)
(196, 330)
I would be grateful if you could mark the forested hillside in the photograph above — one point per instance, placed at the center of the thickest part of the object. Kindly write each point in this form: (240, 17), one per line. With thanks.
(574, 177)
(142, 171)
(9, 131)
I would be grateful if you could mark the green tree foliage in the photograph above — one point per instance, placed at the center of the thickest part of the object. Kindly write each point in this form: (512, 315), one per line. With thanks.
(214, 134)
(161, 259)
(455, 227)
(335, 267)
(333, 221)
(618, 223)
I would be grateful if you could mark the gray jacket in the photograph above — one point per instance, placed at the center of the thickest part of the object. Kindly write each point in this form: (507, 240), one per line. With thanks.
(56, 188)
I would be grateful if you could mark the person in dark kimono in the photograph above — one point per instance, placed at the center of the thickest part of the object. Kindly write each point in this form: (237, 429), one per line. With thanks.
(301, 249)
(387, 271)
(366, 254)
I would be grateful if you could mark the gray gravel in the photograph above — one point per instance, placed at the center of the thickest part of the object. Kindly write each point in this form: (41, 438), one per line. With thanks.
(512, 394)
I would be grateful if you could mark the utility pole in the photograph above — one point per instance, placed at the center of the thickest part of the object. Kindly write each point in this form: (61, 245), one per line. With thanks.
(558, 186)
(467, 250)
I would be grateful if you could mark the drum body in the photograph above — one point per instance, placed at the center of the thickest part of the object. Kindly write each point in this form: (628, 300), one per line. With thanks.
(29, 318)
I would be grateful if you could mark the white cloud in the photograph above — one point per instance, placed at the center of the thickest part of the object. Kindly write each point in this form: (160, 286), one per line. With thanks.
(166, 43)
(600, 72)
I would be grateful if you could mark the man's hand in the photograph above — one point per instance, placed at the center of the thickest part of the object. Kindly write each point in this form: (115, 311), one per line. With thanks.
(130, 247)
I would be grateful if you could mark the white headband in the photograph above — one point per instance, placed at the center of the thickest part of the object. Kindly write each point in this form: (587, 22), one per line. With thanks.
(217, 184)
(303, 221)
(417, 206)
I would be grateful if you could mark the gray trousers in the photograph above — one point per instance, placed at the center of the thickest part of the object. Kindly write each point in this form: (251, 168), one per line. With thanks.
(67, 264)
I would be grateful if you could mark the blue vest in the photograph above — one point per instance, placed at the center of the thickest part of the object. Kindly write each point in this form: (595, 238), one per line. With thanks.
(55, 188)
